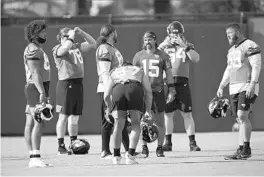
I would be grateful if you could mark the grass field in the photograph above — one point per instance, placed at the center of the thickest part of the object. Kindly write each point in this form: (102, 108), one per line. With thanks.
(210, 161)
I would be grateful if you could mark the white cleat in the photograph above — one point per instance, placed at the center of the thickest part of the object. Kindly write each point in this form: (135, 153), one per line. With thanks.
(116, 160)
(130, 160)
(37, 162)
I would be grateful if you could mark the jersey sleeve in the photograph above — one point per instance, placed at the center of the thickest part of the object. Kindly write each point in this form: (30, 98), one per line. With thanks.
(103, 54)
(252, 49)
(166, 62)
(33, 53)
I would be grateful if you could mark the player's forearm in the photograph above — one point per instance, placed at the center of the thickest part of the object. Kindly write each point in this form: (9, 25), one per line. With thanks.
(193, 55)
(225, 79)
(105, 78)
(255, 63)
(169, 77)
(87, 37)
(38, 81)
(63, 49)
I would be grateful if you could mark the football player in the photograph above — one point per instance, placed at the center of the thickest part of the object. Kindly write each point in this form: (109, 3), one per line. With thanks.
(69, 92)
(129, 87)
(182, 54)
(242, 75)
(37, 70)
(154, 62)
(108, 57)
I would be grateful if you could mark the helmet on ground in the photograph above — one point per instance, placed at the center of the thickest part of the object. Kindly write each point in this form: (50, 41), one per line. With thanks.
(79, 146)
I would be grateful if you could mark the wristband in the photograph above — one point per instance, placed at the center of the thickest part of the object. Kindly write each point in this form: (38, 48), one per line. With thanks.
(187, 49)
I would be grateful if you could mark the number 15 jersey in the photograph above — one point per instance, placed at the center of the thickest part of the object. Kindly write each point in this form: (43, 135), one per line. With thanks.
(70, 65)
(153, 65)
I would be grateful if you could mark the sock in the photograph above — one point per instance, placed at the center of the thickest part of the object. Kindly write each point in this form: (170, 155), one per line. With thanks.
(35, 154)
(192, 138)
(159, 146)
(131, 151)
(168, 138)
(117, 152)
(247, 144)
(73, 138)
(61, 141)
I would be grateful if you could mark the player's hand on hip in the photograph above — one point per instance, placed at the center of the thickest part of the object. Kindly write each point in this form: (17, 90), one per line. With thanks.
(219, 92)
(171, 96)
(250, 91)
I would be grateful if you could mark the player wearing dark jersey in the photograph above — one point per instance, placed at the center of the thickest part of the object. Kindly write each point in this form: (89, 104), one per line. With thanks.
(37, 70)
(182, 54)
(154, 62)
(129, 87)
(69, 92)
(108, 57)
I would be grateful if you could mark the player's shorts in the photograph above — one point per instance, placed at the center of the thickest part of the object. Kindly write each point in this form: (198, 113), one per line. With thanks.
(128, 96)
(32, 94)
(69, 96)
(240, 102)
(158, 102)
(183, 99)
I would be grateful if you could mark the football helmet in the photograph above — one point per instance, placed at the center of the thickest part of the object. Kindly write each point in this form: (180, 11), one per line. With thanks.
(43, 112)
(79, 146)
(149, 131)
(218, 107)
(175, 27)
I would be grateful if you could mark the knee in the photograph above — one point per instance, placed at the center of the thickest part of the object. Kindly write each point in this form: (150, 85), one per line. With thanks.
(73, 120)
(187, 115)
(242, 116)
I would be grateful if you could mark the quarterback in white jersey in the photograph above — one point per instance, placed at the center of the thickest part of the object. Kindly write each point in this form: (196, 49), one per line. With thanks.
(242, 75)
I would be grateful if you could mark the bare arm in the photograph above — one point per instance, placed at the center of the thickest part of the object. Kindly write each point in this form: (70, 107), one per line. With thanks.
(66, 46)
(255, 62)
(34, 67)
(89, 43)
(225, 78)
(170, 83)
(193, 56)
(148, 93)
(108, 92)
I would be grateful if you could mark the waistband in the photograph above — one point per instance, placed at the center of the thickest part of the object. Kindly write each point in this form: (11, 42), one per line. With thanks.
(180, 79)
(74, 80)
(127, 82)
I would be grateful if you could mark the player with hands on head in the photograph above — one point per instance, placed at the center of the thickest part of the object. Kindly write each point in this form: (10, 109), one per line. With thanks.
(69, 92)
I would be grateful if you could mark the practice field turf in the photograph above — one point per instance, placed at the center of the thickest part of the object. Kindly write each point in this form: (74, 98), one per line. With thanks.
(210, 161)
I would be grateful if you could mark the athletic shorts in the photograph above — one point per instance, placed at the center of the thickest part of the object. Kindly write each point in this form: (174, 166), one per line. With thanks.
(69, 96)
(240, 102)
(158, 102)
(183, 99)
(32, 94)
(128, 96)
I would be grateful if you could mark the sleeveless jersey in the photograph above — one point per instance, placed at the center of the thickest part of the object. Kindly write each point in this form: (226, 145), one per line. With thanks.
(153, 66)
(34, 52)
(125, 73)
(179, 60)
(70, 65)
(107, 53)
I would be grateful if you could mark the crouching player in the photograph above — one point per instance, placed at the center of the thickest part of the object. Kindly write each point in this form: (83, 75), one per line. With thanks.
(130, 89)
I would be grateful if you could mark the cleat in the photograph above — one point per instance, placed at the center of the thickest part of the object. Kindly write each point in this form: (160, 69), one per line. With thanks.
(245, 154)
(116, 160)
(130, 160)
(194, 147)
(38, 162)
(160, 152)
(62, 150)
(167, 146)
(233, 156)
(145, 151)
(106, 155)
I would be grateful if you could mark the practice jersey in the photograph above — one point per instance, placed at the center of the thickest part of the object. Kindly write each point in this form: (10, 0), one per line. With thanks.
(106, 53)
(34, 52)
(70, 65)
(179, 59)
(125, 73)
(240, 68)
(153, 65)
